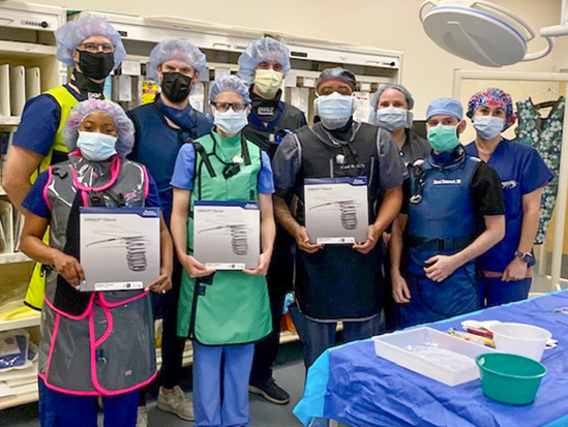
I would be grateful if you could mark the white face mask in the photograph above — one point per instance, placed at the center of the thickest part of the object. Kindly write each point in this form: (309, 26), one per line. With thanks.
(334, 110)
(96, 146)
(268, 81)
(230, 122)
(393, 118)
(488, 127)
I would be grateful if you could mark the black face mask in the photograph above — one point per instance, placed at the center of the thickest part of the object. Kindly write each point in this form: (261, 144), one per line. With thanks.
(176, 86)
(85, 85)
(96, 66)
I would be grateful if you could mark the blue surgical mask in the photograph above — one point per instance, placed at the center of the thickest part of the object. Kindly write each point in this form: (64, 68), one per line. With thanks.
(96, 146)
(393, 118)
(230, 122)
(488, 127)
(334, 110)
(443, 138)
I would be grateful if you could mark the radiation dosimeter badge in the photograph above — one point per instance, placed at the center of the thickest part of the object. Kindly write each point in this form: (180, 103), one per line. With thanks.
(120, 248)
(226, 235)
(336, 210)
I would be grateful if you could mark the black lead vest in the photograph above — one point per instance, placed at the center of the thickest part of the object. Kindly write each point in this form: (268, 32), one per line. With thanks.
(338, 282)
(268, 135)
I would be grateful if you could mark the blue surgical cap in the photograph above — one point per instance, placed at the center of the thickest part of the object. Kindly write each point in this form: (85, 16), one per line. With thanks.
(179, 49)
(229, 84)
(446, 106)
(124, 125)
(263, 50)
(73, 33)
(400, 88)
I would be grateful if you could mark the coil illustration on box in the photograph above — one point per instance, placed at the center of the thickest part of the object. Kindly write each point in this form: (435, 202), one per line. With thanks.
(134, 245)
(120, 248)
(347, 210)
(336, 210)
(239, 234)
(226, 235)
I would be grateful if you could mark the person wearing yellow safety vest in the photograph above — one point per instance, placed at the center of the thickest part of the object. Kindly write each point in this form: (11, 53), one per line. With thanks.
(93, 48)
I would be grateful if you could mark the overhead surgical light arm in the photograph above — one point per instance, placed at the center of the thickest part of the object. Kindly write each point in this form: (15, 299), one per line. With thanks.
(460, 21)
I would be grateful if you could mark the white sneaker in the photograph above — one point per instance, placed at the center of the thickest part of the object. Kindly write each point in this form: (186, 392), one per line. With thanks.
(142, 418)
(176, 403)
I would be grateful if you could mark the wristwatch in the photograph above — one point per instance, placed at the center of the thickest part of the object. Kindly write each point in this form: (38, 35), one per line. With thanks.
(526, 257)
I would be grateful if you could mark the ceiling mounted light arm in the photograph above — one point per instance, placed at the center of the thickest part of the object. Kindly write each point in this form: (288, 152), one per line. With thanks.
(538, 55)
(485, 33)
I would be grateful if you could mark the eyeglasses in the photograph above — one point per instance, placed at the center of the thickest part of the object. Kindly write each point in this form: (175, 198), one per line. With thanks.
(223, 107)
(97, 47)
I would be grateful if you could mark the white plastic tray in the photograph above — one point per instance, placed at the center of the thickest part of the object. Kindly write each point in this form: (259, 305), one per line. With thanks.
(394, 346)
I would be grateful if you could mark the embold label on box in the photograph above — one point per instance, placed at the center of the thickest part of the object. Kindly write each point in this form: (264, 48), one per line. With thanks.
(336, 210)
(120, 248)
(226, 235)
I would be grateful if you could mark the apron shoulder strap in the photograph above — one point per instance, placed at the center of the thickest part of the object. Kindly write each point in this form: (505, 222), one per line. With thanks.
(205, 158)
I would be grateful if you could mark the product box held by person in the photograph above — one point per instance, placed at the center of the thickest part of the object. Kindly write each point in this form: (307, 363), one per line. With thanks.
(336, 210)
(120, 248)
(227, 234)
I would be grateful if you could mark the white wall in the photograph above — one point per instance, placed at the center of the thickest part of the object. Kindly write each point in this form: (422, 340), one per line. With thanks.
(387, 24)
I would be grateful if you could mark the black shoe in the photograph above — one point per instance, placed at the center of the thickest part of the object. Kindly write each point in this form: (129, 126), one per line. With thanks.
(270, 391)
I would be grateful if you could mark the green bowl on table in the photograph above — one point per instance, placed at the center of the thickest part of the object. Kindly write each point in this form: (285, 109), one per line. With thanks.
(509, 378)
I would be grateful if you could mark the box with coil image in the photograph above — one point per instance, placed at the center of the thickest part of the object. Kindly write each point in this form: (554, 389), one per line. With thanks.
(119, 248)
(226, 235)
(336, 210)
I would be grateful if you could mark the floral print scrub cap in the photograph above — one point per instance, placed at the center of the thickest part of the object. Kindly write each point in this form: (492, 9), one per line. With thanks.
(493, 96)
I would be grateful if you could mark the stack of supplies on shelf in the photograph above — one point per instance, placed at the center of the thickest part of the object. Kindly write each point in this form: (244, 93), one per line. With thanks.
(18, 367)
(11, 225)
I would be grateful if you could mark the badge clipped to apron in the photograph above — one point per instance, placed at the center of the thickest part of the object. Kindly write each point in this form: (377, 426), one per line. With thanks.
(234, 168)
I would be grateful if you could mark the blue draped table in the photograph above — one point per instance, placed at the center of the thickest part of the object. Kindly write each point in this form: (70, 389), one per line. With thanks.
(350, 384)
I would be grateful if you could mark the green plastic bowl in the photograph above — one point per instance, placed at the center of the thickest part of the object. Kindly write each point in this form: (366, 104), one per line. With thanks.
(509, 378)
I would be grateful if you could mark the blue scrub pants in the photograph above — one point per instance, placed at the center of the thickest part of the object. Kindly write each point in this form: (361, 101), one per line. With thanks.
(431, 301)
(498, 292)
(65, 410)
(316, 337)
(223, 404)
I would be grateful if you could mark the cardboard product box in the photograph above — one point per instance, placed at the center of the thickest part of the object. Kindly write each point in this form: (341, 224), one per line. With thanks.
(226, 235)
(336, 210)
(120, 248)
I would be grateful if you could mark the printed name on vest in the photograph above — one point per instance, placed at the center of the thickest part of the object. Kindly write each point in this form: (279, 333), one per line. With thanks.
(265, 111)
(352, 166)
(456, 181)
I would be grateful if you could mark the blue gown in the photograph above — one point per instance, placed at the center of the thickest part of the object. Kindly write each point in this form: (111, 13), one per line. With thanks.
(522, 171)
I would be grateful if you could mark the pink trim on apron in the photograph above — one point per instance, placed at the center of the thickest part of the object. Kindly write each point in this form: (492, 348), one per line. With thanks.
(52, 345)
(114, 170)
(65, 391)
(146, 182)
(93, 350)
(70, 316)
(105, 303)
(94, 378)
(49, 181)
(110, 325)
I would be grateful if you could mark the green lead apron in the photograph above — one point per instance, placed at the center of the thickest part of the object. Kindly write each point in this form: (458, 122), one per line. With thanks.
(230, 307)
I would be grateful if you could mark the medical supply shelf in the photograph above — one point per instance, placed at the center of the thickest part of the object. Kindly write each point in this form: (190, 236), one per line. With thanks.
(27, 393)
(9, 325)
(9, 122)
(13, 258)
(26, 39)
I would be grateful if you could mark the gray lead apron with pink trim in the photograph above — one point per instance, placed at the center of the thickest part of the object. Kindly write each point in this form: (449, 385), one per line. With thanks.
(93, 343)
